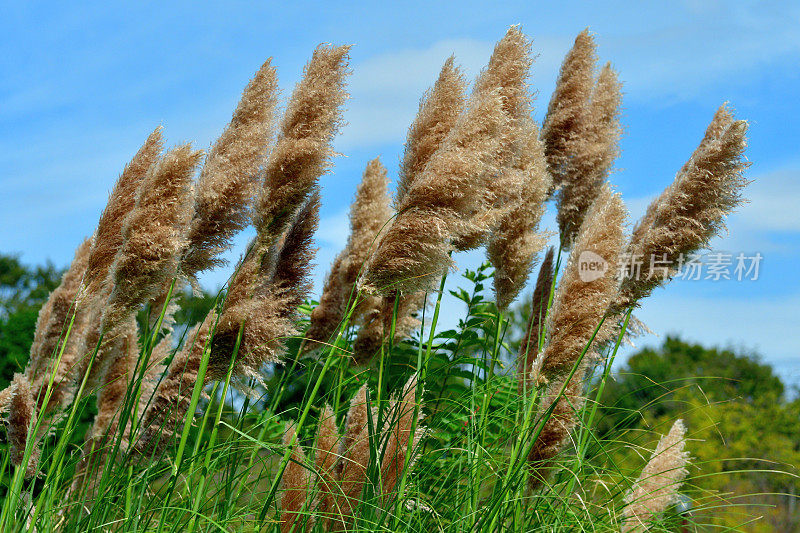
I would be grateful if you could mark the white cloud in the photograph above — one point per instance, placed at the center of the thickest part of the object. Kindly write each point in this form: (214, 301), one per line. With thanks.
(690, 51)
(773, 201)
(386, 88)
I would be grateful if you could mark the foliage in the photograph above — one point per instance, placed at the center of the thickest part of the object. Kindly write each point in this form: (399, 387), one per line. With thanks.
(745, 432)
(23, 290)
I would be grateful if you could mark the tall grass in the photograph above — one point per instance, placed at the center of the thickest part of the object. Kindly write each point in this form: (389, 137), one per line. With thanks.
(244, 424)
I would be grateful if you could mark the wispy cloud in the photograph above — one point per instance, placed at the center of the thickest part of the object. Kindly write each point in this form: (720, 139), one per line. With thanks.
(708, 44)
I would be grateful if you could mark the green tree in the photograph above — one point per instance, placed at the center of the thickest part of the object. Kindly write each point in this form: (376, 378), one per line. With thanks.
(23, 290)
(744, 432)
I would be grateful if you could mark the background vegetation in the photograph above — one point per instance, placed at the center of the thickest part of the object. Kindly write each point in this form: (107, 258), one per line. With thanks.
(744, 422)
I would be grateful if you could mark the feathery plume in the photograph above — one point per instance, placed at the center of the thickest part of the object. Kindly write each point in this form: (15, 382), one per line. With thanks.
(507, 73)
(266, 306)
(270, 313)
(593, 151)
(529, 347)
(303, 150)
(355, 453)
(108, 236)
(21, 420)
(295, 484)
(582, 300)
(579, 305)
(400, 444)
(566, 112)
(51, 327)
(225, 188)
(368, 214)
(441, 205)
(658, 484)
(513, 245)
(438, 112)
(689, 212)
(569, 399)
(153, 234)
(326, 460)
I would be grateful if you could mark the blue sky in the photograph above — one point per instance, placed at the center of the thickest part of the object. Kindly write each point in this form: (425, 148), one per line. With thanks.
(81, 87)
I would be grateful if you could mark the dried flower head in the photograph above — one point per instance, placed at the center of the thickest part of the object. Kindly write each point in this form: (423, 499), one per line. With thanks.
(170, 402)
(592, 151)
(269, 314)
(108, 236)
(21, 422)
(442, 204)
(303, 149)
(153, 234)
(563, 400)
(689, 212)
(529, 347)
(355, 453)
(583, 296)
(376, 324)
(227, 182)
(61, 313)
(513, 245)
(295, 484)
(326, 461)
(507, 74)
(117, 379)
(658, 484)
(565, 118)
(368, 215)
(439, 109)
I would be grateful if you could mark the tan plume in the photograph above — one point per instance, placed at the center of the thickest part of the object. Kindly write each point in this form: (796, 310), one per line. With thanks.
(529, 347)
(405, 431)
(582, 300)
(369, 213)
(108, 237)
(592, 151)
(228, 179)
(295, 483)
(303, 149)
(658, 484)
(64, 307)
(566, 113)
(689, 212)
(514, 243)
(441, 205)
(21, 422)
(438, 112)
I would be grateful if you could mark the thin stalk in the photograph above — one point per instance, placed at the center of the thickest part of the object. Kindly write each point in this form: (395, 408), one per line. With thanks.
(200, 491)
(422, 370)
(308, 404)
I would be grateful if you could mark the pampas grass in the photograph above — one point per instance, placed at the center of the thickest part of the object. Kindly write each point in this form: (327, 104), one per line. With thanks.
(302, 151)
(21, 423)
(658, 484)
(236, 424)
(369, 213)
(229, 177)
(690, 212)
